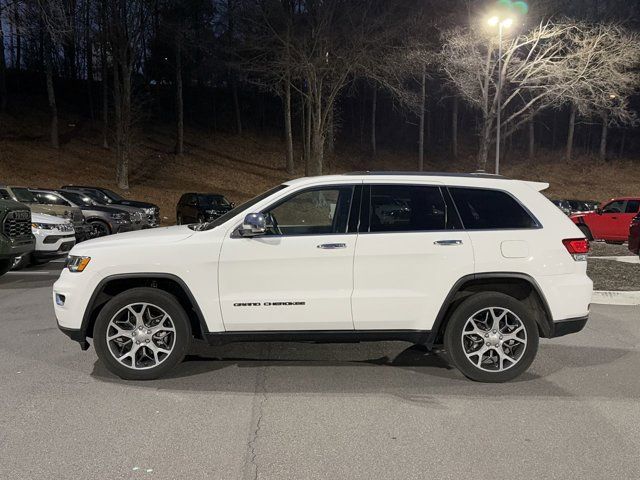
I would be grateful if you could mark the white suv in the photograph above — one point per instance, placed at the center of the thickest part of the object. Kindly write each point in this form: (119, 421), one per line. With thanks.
(480, 264)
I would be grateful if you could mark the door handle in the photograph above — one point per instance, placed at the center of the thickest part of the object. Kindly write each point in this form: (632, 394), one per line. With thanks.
(448, 243)
(332, 246)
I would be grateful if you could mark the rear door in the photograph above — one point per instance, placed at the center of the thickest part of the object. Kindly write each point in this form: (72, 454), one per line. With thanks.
(410, 252)
(611, 222)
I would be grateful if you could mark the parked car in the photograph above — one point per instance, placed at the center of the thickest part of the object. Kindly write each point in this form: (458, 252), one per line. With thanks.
(481, 264)
(109, 197)
(54, 238)
(103, 220)
(201, 207)
(16, 238)
(634, 235)
(563, 205)
(610, 222)
(138, 218)
(73, 214)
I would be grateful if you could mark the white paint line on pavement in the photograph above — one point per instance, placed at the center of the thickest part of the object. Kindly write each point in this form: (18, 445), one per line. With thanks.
(604, 297)
(623, 259)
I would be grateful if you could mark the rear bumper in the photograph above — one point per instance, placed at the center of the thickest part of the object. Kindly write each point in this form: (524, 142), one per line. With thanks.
(570, 325)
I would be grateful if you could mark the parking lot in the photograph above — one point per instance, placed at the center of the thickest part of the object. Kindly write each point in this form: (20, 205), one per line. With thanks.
(379, 410)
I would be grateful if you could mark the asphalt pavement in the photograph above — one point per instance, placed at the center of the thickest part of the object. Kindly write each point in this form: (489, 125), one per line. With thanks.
(306, 411)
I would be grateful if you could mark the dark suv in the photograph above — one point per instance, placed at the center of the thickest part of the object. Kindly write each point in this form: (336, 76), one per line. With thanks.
(201, 207)
(103, 220)
(109, 197)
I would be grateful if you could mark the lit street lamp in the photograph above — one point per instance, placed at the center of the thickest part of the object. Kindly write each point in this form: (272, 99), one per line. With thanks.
(501, 23)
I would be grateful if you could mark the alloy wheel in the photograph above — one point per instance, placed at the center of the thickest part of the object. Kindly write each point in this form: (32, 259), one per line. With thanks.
(141, 336)
(494, 339)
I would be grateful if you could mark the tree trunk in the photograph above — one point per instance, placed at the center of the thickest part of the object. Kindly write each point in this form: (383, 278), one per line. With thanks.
(374, 106)
(16, 13)
(3, 71)
(51, 95)
(236, 105)
(105, 96)
(287, 125)
(317, 139)
(485, 143)
(572, 128)
(423, 98)
(89, 57)
(603, 136)
(179, 150)
(330, 133)
(532, 139)
(454, 128)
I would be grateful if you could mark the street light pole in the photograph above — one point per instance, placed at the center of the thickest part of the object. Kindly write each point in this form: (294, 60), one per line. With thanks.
(499, 93)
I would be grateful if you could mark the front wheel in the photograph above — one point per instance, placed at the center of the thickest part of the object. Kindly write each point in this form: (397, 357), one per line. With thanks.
(142, 333)
(491, 337)
(5, 265)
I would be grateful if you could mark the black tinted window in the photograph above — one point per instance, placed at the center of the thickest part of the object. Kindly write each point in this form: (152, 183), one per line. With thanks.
(633, 206)
(402, 208)
(483, 209)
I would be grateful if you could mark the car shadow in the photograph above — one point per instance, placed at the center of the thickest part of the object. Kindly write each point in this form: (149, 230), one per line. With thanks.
(412, 373)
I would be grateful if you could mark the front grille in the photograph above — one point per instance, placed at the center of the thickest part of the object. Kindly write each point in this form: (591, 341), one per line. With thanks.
(17, 224)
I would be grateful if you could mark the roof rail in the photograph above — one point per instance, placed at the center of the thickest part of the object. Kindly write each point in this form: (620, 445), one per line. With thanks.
(431, 174)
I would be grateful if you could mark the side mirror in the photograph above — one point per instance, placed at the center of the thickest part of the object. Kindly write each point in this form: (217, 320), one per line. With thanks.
(254, 224)
(232, 204)
(599, 211)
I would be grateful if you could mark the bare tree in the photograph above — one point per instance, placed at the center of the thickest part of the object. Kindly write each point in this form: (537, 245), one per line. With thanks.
(3, 65)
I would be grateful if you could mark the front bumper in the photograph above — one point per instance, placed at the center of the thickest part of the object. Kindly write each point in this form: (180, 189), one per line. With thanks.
(14, 247)
(570, 325)
(76, 336)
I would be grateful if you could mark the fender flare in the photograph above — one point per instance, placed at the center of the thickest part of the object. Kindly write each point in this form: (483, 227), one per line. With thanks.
(95, 296)
(546, 327)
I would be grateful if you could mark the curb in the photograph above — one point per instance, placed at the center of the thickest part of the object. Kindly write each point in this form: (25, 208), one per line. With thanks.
(604, 297)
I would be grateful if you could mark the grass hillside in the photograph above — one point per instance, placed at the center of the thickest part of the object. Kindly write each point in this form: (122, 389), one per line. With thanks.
(240, 167)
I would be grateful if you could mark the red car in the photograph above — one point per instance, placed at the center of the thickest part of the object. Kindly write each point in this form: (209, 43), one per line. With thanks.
(634, 235)
(611, 221)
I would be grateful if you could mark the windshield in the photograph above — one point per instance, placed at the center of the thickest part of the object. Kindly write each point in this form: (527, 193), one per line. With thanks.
(207, 201)
(98, 197)
(78, 199)
(112, 195)
(24, 195)
(234, 211)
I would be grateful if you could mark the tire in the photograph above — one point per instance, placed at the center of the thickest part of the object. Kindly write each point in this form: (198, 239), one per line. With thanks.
(146, 368)
(100, 228)
(23, 261)
(461, 347)
(39, 261)
(586, 232)
(5, 265)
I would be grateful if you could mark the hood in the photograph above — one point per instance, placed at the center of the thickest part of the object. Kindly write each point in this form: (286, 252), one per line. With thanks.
(153, 236)
(44, 218)
(136, 203)
(102, 208)
(11, 205)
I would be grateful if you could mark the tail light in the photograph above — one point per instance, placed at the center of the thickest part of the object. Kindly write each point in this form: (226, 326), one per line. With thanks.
(577, 247)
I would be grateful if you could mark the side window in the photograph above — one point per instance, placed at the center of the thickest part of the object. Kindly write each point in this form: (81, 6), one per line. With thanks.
(615, 207)
(632, 206)
(312, 212)
(482, 209)
(406, 208)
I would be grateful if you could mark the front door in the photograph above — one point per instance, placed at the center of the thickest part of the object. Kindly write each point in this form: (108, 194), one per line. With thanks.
(612, 223)
(299, 276)
(410, 252)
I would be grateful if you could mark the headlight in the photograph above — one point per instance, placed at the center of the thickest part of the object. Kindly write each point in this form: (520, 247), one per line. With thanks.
(212, 212)
(44, 226)
(77, 264)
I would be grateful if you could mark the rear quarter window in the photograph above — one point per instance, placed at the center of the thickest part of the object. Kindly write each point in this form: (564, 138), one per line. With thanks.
(485, 209)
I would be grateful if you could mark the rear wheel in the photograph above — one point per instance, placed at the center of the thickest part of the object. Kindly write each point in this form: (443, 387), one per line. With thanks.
(491, 337)
(141, 334)
(586, 232)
